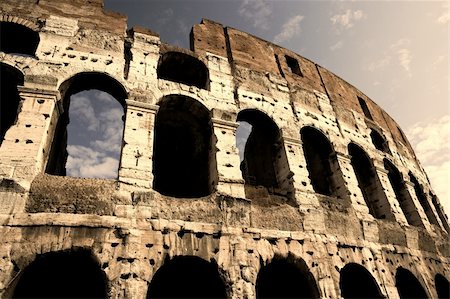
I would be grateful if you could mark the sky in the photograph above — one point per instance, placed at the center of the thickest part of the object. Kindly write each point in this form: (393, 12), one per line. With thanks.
(396, 52)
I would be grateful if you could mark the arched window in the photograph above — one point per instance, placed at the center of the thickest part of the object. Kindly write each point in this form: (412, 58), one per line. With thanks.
(379, 141)
(264, 161)
(318, 153)
(183, 68)
(89, 145)
(10, 78)
(283, 278)
(408, 286)
(442, 286)
(63, 274)
(184, 155)
(357, 282)
(187, 277)
(421, 196)
(402, 195)
(369, 183)
(18, 39)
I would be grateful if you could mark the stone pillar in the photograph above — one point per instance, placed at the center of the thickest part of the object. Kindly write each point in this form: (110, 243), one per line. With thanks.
(137, 152)
(229, 175)
(25, 149)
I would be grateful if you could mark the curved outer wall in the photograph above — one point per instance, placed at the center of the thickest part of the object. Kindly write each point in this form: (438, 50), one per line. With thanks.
(132, 229)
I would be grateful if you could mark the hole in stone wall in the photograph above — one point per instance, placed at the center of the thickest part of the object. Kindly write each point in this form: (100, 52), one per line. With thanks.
(408, 286)
(10, 78)
(365, 108)
(422, 197)
(379, 141)
(183, 160)
(357, 282)
(293, 65)
(64, 274)
(18, 39)
(285, 279)
(187, 277)
(88, 136)
(183, 68)
(442, 286)
(318, 150)
(369, 183)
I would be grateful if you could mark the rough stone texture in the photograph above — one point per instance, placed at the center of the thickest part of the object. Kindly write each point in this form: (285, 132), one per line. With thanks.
(131, 229)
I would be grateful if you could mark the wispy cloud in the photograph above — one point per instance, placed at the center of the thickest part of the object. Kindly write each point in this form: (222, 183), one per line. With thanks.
(337, 46)
(257, 11)
(398, 51)
(289, 29)
(445, 16)
(165, 16)
(82, 110)
(347, 19)
(242, 134)
(380, 63)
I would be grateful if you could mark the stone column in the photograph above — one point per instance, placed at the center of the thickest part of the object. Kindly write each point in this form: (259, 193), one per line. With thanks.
(137, 152)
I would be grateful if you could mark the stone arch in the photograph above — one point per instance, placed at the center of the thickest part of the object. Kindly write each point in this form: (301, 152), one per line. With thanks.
(442, 286)
(402, 194)
(286, 278)
(84, 81)
(18, 36)
(62, 274)
(357, 282)
(264, 161)
(187, 277)
(184, 148)
(10, 79)
(423, 200)
(318, 154)
(183, 68)
(379, 141)
(408, 286)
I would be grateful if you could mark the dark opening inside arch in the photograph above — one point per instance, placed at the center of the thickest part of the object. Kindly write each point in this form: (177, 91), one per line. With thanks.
(283, 278)
(63, 274)
(91, 125)
(318, 151)
(402, 195)
(422, 197)
(365, 108)
(183, 159)
(379, 141)
(10, 78)
(187, 277)
(183, 68)
(357, 282)
(18, 39)
(442, 286)
(408, 285)
(440, 211)
(369, 183)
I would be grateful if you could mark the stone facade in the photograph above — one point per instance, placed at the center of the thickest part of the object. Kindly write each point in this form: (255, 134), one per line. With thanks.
(330, 189)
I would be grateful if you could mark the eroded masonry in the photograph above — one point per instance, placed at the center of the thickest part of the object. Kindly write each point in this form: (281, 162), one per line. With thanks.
(328, 199)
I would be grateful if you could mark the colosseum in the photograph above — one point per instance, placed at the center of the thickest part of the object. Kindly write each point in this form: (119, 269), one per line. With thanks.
(328, 200)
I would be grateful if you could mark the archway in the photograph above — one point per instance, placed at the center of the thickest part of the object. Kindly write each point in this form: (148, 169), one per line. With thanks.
(10, 79)
(357, 282)
(423, 200)
(442, 286)
(187, 277)
(283, 278)
(408, 285)
(63, 274)
(183, 151)
(18, 39)
(379, 141)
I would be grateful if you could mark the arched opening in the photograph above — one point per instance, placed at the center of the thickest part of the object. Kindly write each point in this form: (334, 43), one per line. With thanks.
(408, 286)
(442, 286)
(18, 39)
(318, 151)
(379, 141)
(422, 197)
(369, 183)
(402, 195)
(440, 212)
(183, 68)
(63, 274)
(10, 78)
(264, 160)
(283, 278)
(88, 135)
(183, 157)
(357, 282)
(187, 277)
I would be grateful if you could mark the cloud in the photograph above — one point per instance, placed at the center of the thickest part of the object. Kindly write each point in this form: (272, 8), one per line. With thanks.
(337, 46)
(404, 56)
(242, 133)
(431, 141)
(445, 16)
(165, 16)
(88, 163)
(346, 20)
(82, 110)
(379, 64)
(398, 51)
(256, 11)
(289, 29)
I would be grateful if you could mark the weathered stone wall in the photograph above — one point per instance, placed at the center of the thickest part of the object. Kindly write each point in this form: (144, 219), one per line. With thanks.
(131, 228)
